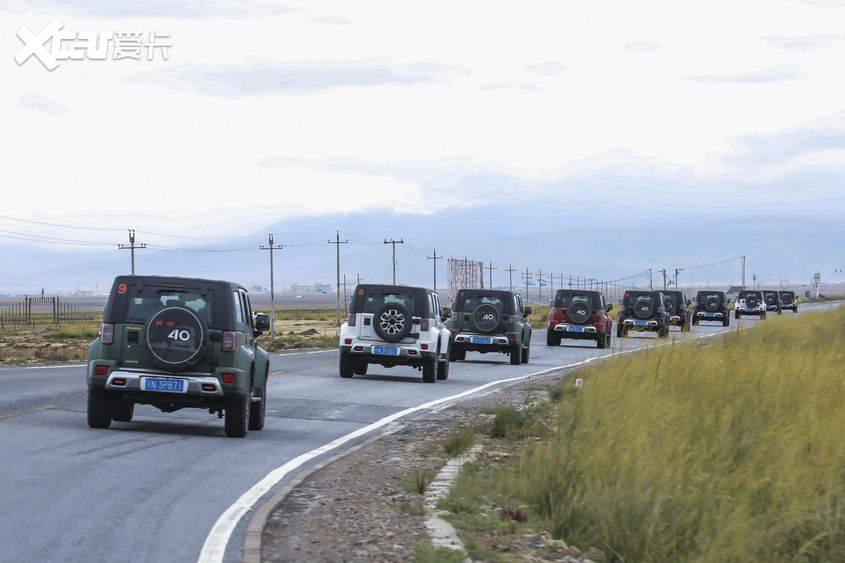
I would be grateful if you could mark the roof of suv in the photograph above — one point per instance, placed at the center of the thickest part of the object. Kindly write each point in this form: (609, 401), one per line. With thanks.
(363, 293)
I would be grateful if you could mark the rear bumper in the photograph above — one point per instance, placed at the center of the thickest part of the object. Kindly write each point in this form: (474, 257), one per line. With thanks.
(633, 324)
(405, 355)
(705, 316)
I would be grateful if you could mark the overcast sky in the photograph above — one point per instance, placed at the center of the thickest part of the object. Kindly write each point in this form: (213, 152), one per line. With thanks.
(266, 110)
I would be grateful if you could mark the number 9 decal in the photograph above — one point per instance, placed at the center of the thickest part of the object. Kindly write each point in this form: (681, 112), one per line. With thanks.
(121, 288)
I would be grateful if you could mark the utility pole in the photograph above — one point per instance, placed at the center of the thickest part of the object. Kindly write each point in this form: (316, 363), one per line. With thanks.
(527, 275)
(394, 243)
(271, 248)
(676, 278)
(131, 248)
(664, 278)
(540, 287)
(491, 267)
(435, 258)
(510, 272)
(650, 281)
(743, 272)
(345, 310)
(338, 242)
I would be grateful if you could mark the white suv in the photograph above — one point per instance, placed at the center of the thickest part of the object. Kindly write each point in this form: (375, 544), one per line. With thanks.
(750, 303)
(393, 325)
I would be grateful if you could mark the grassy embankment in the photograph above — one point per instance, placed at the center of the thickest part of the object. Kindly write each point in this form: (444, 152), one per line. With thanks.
(727, 450)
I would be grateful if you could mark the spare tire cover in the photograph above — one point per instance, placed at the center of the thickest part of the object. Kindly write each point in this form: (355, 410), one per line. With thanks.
(392, 322)
(486, 317)
(643, 309)
(750, 302)
(175, 338)
(579, 313)
(670, 304)
(711, 304)
(787, 299)
(771, 299)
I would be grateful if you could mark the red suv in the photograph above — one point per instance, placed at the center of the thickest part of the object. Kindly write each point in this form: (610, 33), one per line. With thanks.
(580, 315)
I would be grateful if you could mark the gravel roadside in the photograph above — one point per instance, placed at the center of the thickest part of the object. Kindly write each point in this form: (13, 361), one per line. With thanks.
(355, 509)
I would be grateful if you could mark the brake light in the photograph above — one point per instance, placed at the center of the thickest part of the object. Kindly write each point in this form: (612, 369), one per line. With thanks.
(425, 324)
(554, 310)
(454, 317)
(511, 337)
(348, 341)
(107, 334)
(228, 341)
(228, 378)
(423, 346)
(351, 320)
(101, 370)
(512, 320)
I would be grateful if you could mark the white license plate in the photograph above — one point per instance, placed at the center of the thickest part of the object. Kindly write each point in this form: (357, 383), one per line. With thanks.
(640, 323)
(481, 340)
(164, 384)
(386, 350)
(710, 314)
(575, 329)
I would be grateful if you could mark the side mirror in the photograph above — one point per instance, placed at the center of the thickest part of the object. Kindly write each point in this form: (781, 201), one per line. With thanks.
(689, 302)
(610, 306)
(262, 323)
(528, 310)
(446, 314)
(729, 301)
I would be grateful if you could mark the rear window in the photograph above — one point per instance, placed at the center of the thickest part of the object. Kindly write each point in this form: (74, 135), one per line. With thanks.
(704, 296)
(675, 296)
(747, 294)
(787, 294)
(470, 300)
(567, 298)
(140, 306)
(373, 299)
(634, 297)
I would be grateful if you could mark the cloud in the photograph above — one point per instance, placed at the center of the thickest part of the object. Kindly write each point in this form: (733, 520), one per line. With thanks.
(777, 74)
(144, 8)
(546, 68)
(642, 47)
(331, 20)
(504, 86)
(827, 3)
(801, 43)
(264, 78)
(37, 103)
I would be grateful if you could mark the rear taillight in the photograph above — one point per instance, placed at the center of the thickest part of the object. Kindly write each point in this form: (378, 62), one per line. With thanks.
(554, 310)
(101, 370)
(351, 320)
(454, 317)
(425, 324)
(512, 320)
(228, 378)
(228, 341)
(107, 334)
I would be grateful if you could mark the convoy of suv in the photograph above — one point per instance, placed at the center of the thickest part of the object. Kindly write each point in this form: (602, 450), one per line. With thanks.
(176, 343)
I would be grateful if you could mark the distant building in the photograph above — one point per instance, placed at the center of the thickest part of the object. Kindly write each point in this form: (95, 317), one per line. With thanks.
(258, 289)
(322, 287)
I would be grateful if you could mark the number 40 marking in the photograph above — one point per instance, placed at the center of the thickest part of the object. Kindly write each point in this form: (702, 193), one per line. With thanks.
(182, 335)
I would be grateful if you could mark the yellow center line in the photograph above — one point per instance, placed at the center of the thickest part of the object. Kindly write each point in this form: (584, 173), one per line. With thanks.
(8, 415)
(275, 373)
(50, 407)
(324, 367)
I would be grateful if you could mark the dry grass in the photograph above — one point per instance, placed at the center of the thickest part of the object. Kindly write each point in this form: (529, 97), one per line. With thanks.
(729, 451)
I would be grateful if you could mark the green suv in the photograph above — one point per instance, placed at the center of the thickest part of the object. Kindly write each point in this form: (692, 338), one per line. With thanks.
(177, 343)
(485, 320)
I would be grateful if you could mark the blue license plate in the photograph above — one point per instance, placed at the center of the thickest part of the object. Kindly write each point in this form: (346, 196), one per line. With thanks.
(749, 311)
(166, 385)
(640, 323)
(709, 314)
(481, 340)
(575, 329)
(386, 350)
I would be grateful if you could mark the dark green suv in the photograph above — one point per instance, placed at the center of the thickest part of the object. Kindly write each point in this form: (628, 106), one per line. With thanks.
(486, 320)
(177, 343)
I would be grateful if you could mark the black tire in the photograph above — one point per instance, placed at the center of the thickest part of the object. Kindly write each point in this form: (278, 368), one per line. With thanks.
(751, 302)
(516, 355)
(579, 312)
(346, 365)
(99, 408)
(443, 370)
(763, 316)
(695, 321)
(663, 332)
(643, 310)
(621, 332)
(453, 353)
(711, 304)
(686, 327)
(609, 342)
(175, 338)
(429, 370)
(123, 411)
(737, 316)
(392, 322)
(526, 353)
(237, 416)
(460, 354)
(258, 411)
(361, 367)
(726, 321)
(601, 341)
(780, 311)
(795, 310)
(670, 305)
(552, 338)
(486, 318)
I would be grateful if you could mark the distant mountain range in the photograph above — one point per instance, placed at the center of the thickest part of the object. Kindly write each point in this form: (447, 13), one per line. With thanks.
(571, 240)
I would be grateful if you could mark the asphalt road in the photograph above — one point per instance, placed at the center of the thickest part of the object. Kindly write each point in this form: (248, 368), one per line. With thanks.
(154, 488)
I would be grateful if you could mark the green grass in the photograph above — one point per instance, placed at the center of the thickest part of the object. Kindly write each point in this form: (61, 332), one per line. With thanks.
(418, 481)
(426, 553)
(513, 423)
(460, 441)
(319, 314)
(726, 450)
(75, 331)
